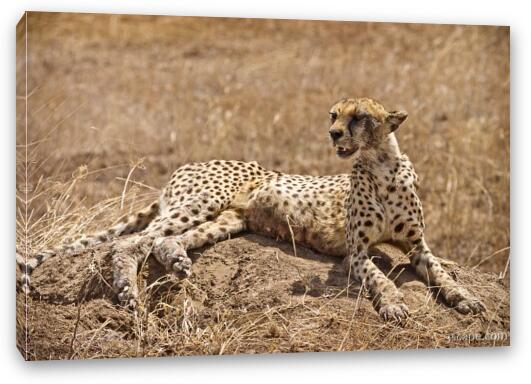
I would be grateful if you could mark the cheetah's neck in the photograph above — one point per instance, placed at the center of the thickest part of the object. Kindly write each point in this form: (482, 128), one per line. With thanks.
(381, 163)
(381, 158)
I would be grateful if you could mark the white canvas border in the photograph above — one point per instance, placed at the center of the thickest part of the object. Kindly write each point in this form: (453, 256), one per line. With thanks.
(434, 366)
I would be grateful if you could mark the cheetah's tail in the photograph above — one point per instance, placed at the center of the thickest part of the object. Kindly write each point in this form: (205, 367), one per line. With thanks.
(133, 223)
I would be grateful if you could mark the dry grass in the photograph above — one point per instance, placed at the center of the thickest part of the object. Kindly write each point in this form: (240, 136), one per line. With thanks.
(106, 92)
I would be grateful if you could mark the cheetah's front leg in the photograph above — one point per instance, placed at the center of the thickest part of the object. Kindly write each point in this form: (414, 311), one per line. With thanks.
(431, 271)
(365, 226)
(171, 251)
(387, 298)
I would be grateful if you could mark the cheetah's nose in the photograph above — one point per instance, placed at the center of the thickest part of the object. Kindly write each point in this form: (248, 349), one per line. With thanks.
(335, 134)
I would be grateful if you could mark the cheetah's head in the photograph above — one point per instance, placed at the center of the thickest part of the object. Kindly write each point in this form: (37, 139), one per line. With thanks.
(361, 124)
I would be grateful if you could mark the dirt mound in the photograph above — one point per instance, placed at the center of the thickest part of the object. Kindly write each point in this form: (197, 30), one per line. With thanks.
(247, 295)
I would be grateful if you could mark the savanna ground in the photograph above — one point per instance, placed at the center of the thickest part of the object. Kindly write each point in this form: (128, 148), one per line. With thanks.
(116, 103)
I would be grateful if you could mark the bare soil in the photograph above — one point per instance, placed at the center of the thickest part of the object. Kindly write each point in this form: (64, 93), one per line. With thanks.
(248, 295)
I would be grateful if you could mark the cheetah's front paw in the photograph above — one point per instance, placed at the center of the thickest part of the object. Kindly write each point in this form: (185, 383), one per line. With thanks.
(394, 312)
(470, 305)
(464, 302)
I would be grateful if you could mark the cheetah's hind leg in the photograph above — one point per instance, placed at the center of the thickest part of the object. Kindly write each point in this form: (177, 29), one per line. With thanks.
(172, 255)
(126, 255)
(171, 251)
(133, 223)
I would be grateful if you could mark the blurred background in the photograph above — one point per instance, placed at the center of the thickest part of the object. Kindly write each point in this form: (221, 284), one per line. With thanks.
(117, 97)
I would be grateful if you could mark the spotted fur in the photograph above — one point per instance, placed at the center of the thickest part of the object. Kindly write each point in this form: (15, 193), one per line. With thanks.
(383, 206)
(340, 215)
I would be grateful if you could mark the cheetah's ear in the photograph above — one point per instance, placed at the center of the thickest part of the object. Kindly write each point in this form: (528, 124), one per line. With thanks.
(395, 118)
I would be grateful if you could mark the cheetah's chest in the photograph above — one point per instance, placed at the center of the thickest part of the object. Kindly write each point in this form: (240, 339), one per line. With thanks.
(402, 212)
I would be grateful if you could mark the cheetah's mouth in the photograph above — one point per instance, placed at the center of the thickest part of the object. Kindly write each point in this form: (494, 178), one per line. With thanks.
(345, 152)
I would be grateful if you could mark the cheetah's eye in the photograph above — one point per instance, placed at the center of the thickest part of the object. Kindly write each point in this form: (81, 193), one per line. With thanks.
(333, 116)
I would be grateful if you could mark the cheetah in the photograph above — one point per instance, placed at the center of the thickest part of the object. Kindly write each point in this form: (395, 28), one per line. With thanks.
(341, 215)
(383, 206)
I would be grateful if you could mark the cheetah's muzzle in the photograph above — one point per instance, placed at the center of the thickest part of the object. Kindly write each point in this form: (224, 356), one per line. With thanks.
(345, 152)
